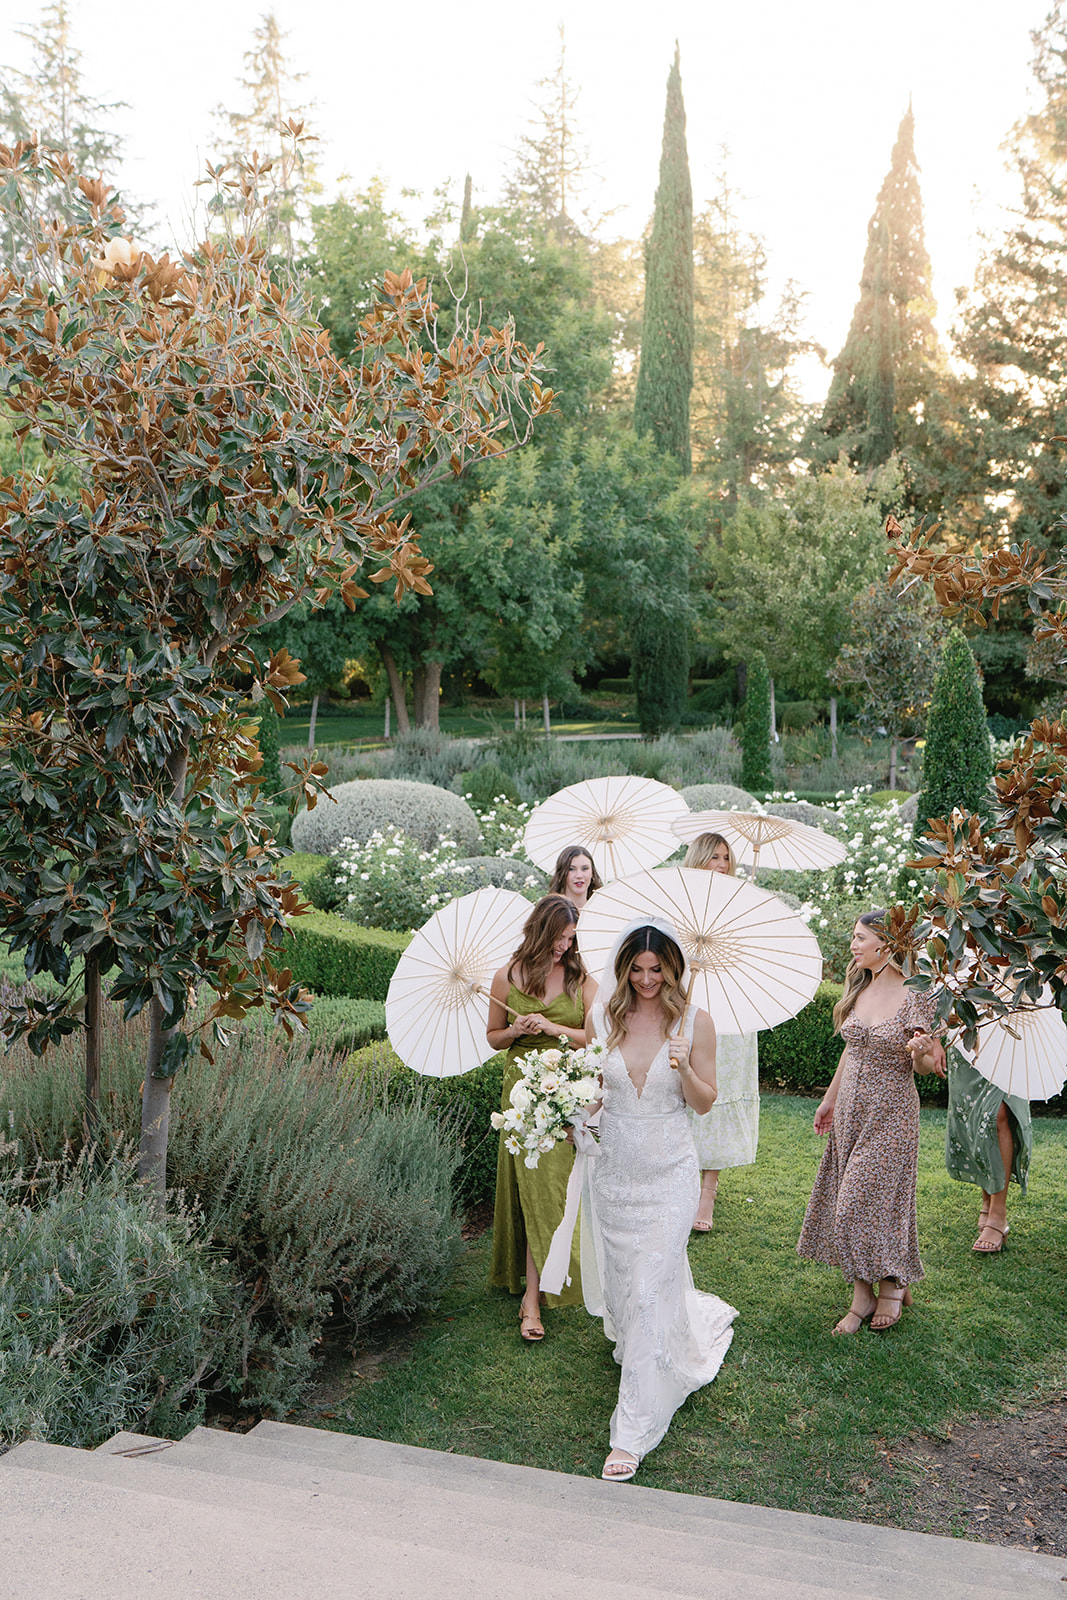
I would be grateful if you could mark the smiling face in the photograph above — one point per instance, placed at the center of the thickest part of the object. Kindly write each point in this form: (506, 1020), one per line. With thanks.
(579, 876)
(646, 975)
(563, 943)
(868, 947)
(720, 858)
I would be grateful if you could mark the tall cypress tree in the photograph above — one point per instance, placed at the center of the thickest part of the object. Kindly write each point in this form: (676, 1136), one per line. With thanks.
(957, 764)
(891, 359)
(665, 375)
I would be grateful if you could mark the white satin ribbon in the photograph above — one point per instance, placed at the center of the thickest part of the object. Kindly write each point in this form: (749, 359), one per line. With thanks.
(554, 1273)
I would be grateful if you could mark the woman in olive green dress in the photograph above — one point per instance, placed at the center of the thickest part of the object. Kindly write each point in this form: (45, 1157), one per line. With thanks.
(542, 996)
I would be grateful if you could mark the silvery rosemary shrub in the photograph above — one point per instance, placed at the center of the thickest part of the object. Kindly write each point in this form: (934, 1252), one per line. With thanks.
(423, 812)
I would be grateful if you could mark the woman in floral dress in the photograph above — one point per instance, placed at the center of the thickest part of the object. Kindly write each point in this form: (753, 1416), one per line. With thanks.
(861, 1216)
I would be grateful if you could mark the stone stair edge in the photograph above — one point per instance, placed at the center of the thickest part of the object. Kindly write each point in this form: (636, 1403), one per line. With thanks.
(690, 1506)
(720, 1522)
(316, 1520)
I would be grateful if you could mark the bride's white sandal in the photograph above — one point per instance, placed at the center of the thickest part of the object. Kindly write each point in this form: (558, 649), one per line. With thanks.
(619, 1467)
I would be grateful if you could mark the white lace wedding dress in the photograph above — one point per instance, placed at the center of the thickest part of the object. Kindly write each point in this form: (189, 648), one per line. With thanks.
(640, 1198)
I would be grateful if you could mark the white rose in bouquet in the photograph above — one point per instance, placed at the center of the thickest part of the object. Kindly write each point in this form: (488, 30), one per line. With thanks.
(551, 1058)
(521, 1097)
(550, 1082)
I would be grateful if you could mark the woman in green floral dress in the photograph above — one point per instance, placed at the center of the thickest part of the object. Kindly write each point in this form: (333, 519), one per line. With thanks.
(541, 997)
(987, 1142)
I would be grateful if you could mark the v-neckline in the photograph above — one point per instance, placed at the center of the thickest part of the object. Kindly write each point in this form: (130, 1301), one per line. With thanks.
(882, 1020)
(644, 1082)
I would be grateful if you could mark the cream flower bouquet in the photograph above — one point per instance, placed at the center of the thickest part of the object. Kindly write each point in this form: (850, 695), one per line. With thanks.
(549, 1099)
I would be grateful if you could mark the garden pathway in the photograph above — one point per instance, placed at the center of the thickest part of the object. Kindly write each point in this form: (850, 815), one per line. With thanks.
(308, 1515)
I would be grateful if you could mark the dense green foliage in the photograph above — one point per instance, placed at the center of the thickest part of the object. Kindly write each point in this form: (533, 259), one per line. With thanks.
(665, 376)
(660, 664)
(108, 1313)
(756, 732)
(957, 764)
(323, 1198)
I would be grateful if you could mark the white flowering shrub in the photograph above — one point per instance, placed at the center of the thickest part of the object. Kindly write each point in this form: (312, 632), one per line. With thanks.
(879, 843)
(719, 797)
(503, 823)
(389, 882)
(423, 812)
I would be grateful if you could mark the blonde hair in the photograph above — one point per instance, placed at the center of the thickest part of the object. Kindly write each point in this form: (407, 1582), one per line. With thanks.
(565, 861)
(702, 849)
(856, 977)
(548, 920)
(672, 994)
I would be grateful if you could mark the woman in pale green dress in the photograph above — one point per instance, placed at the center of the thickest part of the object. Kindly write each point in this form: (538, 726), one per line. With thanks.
(987, 1142)
(728, 1134)
(543, 995)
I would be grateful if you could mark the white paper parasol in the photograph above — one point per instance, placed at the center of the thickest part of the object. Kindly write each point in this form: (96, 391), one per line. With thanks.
(437, 1008)
(754, 962)
(624, 823)
(1025, 1053)
(761, 841)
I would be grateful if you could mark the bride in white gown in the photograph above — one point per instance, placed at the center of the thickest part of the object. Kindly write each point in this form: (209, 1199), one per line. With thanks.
(642, 1191)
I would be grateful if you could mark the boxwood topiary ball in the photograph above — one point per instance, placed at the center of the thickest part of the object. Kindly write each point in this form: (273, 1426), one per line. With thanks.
(421, 810)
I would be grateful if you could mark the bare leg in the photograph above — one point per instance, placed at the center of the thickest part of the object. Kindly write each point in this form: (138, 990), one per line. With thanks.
(861, 1310)
(994, 1225)
(530, 1324)
(709, 1188)
(893, 1296)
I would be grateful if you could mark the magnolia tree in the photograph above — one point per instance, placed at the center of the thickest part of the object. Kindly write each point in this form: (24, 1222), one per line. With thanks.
(991, 932)
(230, 468)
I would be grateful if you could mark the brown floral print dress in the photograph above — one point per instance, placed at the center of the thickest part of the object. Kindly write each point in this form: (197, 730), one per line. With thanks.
(861, 1215)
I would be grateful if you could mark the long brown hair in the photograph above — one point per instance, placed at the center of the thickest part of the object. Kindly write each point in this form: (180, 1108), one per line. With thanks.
(703, 848)
(564, 861)
(672, 994)
(857, 978)
(548, 920)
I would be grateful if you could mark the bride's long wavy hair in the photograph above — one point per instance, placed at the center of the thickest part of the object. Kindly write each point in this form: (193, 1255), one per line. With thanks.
(671, 996)
(532, 961)
(857, 978)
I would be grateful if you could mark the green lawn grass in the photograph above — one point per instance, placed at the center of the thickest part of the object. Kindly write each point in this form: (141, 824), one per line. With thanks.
(796, 1418)
(367, 727)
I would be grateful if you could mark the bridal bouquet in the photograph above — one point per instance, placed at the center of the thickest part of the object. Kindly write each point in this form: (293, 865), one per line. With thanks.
(549, 1099)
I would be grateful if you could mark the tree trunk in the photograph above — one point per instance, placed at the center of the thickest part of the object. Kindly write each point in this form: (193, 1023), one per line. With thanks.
(774, 719)
(311, 724)
(545, 714)
(893, 763)
(523, 705)
(93, 1035)
(426, 695)
(388, 708)
(397, 687)
(516, 716)
(833, 726)
(155, 1114)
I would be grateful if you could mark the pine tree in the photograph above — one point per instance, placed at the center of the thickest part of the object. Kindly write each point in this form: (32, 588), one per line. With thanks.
(890, 361)
(957, 764)
(1003, 445)
(51, 101)
(756, 730)
(551, 163)
(260, 129)
(747, 417)
(665, 375)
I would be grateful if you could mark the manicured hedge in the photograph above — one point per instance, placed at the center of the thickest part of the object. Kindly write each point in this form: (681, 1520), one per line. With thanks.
(338, 958)
(342, 1024)
(468, 1100)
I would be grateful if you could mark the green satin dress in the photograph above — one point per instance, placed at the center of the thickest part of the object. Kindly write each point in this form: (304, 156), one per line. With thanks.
(972, 1147)
(530, 1201)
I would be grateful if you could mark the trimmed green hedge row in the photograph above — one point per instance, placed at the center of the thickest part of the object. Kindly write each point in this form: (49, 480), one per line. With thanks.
(337, 958)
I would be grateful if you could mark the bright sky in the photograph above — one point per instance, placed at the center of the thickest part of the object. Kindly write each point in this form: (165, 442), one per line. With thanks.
(807, 98)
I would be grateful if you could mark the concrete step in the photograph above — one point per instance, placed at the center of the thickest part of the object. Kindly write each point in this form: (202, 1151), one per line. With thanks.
(67, 1538)
(423, 1525)
(550, 1492)
(478, 1521)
